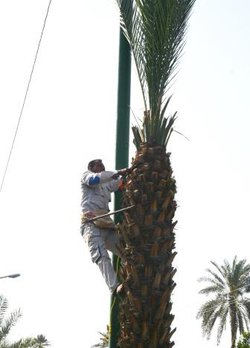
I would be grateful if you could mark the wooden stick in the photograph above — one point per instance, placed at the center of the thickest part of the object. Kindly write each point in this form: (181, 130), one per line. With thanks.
(110, 213)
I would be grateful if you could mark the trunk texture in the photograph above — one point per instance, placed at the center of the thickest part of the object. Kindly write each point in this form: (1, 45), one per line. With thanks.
(233, 322)
(148, 242)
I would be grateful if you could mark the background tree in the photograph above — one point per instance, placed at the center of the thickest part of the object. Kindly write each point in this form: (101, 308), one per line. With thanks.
(6, 324)
(244, 341)
(155, 30)
(229, 285)
(104, 339)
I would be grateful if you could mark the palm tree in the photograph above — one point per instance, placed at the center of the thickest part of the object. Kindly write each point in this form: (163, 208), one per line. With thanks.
(31, 342)
(104, 339)
(155, 30)
(7, 323)
(228, 284)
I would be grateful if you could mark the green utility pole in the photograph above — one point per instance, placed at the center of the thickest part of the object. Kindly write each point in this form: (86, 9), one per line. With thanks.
(122, 154)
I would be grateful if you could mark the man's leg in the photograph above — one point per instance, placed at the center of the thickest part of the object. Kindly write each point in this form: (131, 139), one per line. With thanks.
(100, 256)
(112, 242)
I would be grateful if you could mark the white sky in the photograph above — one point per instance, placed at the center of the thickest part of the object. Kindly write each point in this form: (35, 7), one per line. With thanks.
(70, 117)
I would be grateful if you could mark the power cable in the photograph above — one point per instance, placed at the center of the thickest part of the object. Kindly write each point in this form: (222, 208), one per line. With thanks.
(26, 94)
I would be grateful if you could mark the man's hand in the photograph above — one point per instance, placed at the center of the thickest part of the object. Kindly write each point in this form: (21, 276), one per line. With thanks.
(121, 172)
(89, 215)
(85, 216)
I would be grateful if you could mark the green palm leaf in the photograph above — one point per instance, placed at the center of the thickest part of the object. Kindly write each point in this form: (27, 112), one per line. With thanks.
(7, 323)
(155, 30)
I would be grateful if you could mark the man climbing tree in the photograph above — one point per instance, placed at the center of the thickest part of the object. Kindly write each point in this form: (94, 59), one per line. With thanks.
(100, 233)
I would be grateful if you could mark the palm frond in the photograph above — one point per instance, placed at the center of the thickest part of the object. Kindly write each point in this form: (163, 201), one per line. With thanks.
(29, 342)
(9, 323)
(105, 337)
(222, 323)
(131, 24)
(3, 308)
(241, 321)
(217, 283)
(211, 289)
(216, 277)
(155, 30)
(207, 309)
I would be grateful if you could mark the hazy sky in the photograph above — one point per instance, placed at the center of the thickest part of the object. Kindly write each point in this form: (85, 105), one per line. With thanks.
(70, 118)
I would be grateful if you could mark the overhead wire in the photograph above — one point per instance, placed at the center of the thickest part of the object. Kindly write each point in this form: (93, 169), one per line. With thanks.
(26, 94)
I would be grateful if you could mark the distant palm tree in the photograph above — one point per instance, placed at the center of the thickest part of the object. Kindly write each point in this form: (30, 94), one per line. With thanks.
(228, 283)
(31, 342)
(104, 339)
(7, 323)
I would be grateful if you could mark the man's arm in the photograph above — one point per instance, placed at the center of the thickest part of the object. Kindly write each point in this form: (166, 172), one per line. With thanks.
(117, 182)
(90, 178)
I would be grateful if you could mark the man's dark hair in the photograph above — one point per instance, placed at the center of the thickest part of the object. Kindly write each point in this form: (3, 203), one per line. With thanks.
(92, 163)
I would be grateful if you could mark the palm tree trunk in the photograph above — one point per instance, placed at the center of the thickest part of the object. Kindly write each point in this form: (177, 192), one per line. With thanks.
(233, 322)
(233, 339)
(148, 241)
